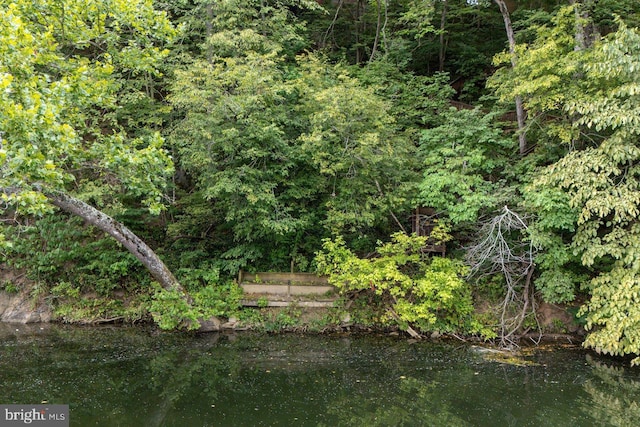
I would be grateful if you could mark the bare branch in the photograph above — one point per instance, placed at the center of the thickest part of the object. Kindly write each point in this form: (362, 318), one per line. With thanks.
(503, 250)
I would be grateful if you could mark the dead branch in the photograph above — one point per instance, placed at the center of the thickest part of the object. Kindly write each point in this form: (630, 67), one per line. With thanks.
(502, 249)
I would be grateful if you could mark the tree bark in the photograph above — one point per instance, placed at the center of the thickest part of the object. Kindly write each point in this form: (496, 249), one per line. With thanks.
(122, 234)
(521, 115)
(585, 30)
(378, 27)
(443, 22)
(360, 28)
(209, 29)
(332, 25)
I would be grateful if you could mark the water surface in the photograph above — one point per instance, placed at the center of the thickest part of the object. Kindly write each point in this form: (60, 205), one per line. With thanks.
(113, 376)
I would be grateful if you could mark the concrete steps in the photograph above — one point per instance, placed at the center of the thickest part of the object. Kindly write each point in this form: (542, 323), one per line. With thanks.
(280, 303)
(286, 289)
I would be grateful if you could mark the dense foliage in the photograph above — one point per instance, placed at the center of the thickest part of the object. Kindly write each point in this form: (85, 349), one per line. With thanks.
(279, 134)
(428, 295)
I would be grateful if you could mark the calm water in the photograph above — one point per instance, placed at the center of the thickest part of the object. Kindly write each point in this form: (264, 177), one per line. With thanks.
(138, 377)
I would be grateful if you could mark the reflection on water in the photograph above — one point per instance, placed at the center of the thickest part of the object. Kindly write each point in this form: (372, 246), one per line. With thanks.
(139, 377)
(612, 395)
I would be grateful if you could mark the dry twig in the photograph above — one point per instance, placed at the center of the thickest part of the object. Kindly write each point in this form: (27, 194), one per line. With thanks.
(502, 250)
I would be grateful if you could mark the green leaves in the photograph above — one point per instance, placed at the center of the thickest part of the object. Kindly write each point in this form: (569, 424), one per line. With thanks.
(350, 140)
(282, 146)
(463, 160)
(30, 109)
(240, 156)
(171, 311)
(63, 66)
(613, 311)
(546, 77)
(601, 191)
(430, 295)
(60, 79)
(587, 203)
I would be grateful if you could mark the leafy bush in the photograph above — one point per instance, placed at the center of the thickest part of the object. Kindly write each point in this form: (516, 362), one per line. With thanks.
(60, 249)
(171, 311)
(218, 300)
(427, 294)
(9, 287)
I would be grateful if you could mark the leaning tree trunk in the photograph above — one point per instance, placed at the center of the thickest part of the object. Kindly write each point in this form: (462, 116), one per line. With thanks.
(521, 115)
(122, 234)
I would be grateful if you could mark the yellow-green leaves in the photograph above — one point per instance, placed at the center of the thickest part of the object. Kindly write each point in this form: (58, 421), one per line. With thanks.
(350, 140)
(546, 75)
(428, 294)
(601, 185)
(61, 67)
(614, 311)
(30, 110)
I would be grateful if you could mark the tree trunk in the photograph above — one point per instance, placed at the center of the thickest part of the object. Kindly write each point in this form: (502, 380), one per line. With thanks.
(122, 234)
(360, 28)
(585, 31)
(378, 27)
(521, 115)
(209, 29)
(443, 22)
(331, 26)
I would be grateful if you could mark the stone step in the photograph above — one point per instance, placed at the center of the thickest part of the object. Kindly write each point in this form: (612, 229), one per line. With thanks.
(271, 303)
(277, 278)
(286, 289)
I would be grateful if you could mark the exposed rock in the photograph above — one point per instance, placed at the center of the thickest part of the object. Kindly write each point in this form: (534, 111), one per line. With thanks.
(346, 319)
(209, 325)
(20, 308)
(230, 324)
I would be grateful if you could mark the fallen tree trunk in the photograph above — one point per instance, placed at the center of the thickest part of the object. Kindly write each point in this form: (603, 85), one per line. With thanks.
(122, 234)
